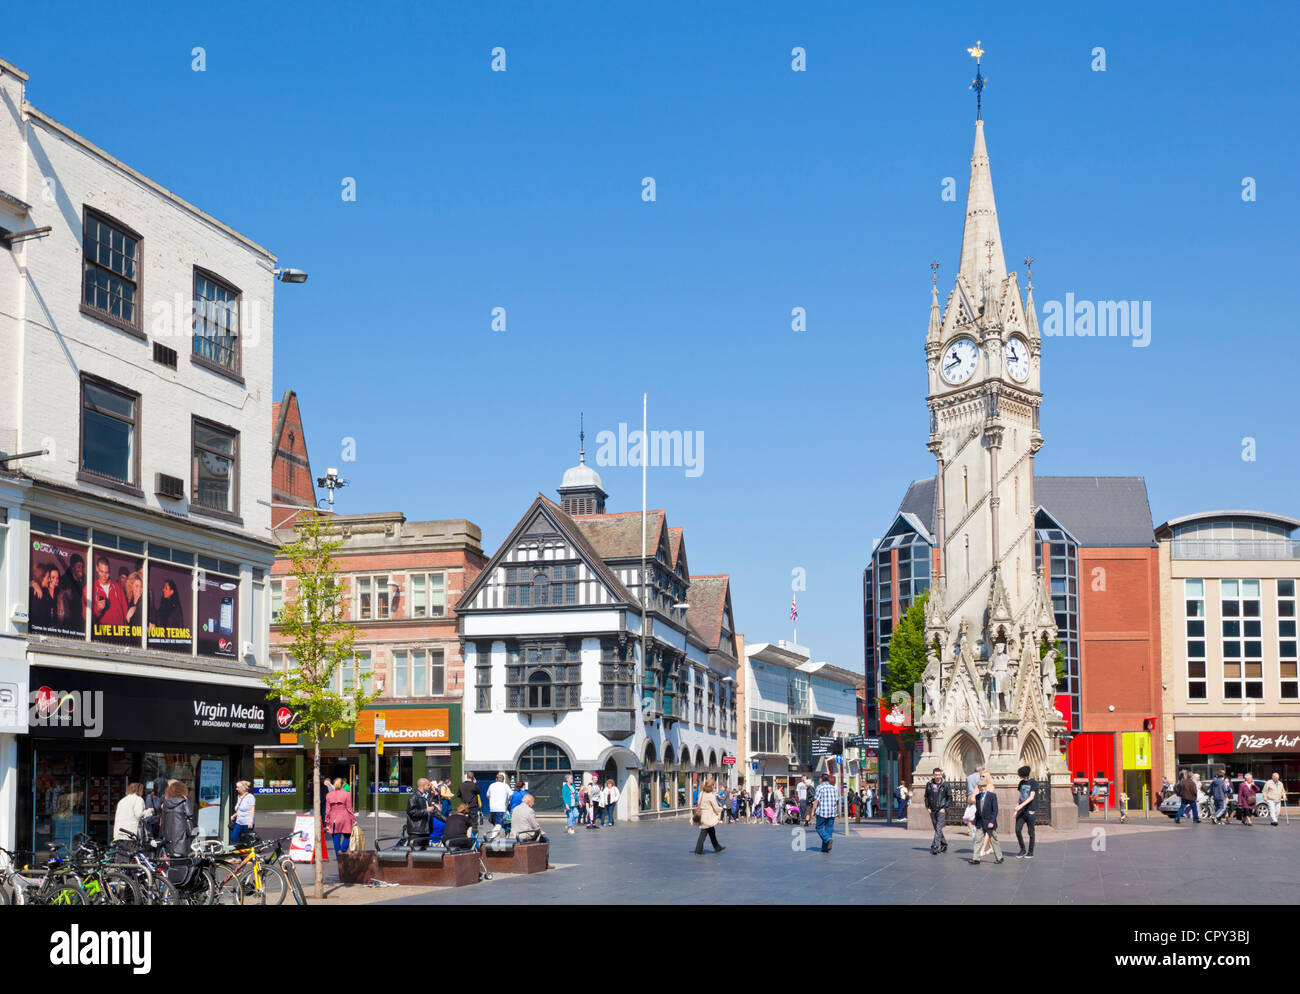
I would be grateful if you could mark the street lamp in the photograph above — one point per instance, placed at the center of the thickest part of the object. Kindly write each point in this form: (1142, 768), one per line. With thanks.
(290, 275)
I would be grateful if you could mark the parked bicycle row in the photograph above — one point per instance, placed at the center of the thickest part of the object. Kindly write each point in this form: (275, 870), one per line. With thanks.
(141, 872)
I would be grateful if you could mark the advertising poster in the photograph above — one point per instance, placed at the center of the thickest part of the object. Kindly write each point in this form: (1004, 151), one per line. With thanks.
(218, 619)
(211, 775)
(56, 596)
(302, 848)
(170, 626)
(116, 599)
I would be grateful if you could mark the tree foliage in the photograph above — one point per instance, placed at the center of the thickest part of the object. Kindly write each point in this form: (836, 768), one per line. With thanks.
(907, 651)
(319, 640)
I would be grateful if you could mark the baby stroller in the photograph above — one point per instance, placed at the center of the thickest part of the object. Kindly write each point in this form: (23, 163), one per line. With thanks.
(792, 814)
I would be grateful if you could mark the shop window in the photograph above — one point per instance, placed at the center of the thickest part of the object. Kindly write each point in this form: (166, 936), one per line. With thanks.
(273, 773)
(396, 771)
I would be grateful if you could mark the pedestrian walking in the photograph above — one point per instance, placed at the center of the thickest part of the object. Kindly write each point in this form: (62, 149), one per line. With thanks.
(498, 797)
(938, 799)
(446, 796)
(869, 801)
(1026, 811)
(1219, 789)
(569, 795)
(1274, 795)
(707, 815)
(802, 791)
(1187, 799)
(986, 820)
(245, 809)
(417, 816)
(1245, 797)
(825, 807)
(903, 796)
(973, 788)
(339, 816)
(469, 797)
(609, 799)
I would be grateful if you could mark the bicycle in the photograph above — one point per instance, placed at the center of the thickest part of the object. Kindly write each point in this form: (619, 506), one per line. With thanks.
(156, 888)
(102, 882)
(58, 885)
(257, 875)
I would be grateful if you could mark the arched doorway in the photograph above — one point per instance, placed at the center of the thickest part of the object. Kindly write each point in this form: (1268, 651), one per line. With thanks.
(647, 782)
(667, 796)
(689, 775)
(962, 756)
(1033, 755)
(713, 768)
(543, 765)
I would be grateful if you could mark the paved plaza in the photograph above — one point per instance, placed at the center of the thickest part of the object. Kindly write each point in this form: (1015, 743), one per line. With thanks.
(653, 863)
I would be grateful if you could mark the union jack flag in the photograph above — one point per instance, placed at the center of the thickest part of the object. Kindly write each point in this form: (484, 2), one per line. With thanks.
(794, 610)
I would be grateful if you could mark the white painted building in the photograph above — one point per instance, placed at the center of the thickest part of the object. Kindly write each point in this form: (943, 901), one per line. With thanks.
(553, 651)
(789, 700)
(135, 462)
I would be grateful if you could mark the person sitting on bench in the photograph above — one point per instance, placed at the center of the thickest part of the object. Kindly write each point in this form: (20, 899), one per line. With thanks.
(420, 812)
(524, 822)
(458, 833)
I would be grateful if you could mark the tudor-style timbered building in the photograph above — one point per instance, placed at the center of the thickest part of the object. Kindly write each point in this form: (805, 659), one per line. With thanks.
(558, 682)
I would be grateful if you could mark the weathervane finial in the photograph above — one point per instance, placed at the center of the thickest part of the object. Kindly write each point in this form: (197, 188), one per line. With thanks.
(934, 273)
(977, 84)
(582, 438)
(1029, 271)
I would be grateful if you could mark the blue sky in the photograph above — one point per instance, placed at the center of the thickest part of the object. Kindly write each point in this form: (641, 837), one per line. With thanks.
(775, 189)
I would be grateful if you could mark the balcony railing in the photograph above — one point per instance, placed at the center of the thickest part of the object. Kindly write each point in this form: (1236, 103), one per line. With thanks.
(1232, 548)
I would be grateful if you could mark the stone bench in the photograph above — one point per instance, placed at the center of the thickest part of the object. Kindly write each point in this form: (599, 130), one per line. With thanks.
(511, 856)
(429, 868)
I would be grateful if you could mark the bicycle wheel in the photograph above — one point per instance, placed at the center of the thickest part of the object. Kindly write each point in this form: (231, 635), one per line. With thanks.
(230, 889)
(66, 892)
(162, 891)
(273, 886)
(120, 888)
(295, 885)
(202, 889)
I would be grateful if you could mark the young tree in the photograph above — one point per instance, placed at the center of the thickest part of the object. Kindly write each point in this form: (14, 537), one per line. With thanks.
(319, 640)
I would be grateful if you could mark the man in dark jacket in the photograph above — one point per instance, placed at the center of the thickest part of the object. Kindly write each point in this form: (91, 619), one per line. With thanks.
(1219, 793)
(417, 815)
(938, 799)
(469, 794)
(986, 823)
(1187, 796)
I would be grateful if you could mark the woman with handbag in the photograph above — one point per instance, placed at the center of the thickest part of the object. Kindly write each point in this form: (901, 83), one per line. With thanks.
(706, 816)
(339, 816)
(177, 818)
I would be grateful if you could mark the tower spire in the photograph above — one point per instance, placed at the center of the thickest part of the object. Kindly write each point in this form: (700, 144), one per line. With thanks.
(933, 335)
(978, 257)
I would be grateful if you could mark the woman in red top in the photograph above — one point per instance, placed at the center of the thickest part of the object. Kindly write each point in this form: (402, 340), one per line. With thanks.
(339, 816)
(1246, 797)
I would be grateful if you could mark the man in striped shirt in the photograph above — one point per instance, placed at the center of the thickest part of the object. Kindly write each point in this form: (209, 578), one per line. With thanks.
(826, 806)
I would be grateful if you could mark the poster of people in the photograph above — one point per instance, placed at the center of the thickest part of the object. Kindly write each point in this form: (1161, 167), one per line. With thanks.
(170, 597)
(218, 619)
(56, 597)
(116, 599)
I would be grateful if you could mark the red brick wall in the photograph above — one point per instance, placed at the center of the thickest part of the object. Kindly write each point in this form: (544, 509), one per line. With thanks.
(291, 479)
(1119, 621)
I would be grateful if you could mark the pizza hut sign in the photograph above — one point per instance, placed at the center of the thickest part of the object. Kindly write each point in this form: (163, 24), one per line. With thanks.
(1229, 743)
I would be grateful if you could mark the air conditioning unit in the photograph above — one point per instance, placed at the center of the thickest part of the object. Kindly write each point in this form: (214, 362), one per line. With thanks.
(170, 486)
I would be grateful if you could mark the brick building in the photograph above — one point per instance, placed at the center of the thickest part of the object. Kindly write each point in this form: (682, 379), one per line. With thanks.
(291, 480)
(403, 581)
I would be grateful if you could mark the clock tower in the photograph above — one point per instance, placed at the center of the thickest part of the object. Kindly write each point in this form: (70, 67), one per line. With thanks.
(988, 688)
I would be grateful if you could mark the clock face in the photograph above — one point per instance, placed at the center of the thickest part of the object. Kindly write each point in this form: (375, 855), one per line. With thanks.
(1018, 360)
(216, 466)
(957, 363)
